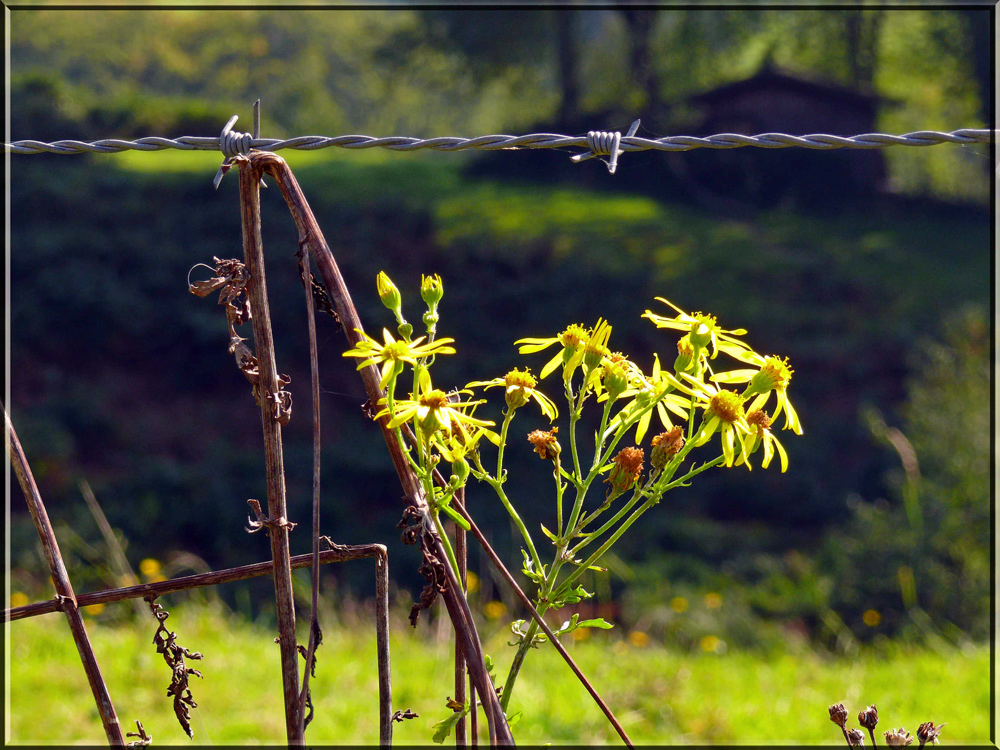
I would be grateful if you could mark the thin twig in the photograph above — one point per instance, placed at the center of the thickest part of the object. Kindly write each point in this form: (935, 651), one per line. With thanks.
(458, 608)
(382, 644)
(270, 413)
(541, 623)
(461, 555)
(119, 562)
(64, 589)
(315, 634)
(160, 588)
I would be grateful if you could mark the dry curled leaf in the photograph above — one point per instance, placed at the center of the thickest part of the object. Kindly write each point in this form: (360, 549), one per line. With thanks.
(174, 655)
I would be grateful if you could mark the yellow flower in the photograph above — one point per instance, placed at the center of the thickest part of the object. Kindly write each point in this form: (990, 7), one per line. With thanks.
(679, 604)
(433, 410)
(724, 413)
(520, 388)
(494, 610)
(703, 330)
(149, 567)
(871, 618)
(761, 434)
(573, 340)
(774, 374)
(392, 354)
(646, 391)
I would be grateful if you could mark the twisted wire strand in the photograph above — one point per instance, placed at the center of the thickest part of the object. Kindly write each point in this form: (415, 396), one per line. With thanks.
(503, 142)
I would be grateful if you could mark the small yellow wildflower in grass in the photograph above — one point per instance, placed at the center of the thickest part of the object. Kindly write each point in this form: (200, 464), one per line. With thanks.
(391, 354)
(638, 639)
(871, 618)
(93, 609)
(17, 599)
(679, 604)
(520, 388)
(471, 582)
(580, 634)
(149, 567)
(711, 644)
(494, 610)
(713, 600)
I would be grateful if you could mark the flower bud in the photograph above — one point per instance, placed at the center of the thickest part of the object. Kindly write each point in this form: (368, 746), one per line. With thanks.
(460, 470)
(405, 330)
(388, 293)
(431, 320)
(615, 380)
(855, 738)
(868, 718)
(687, 357)
(431, 289)
(838, 714)
(701, 332)
(519, 385)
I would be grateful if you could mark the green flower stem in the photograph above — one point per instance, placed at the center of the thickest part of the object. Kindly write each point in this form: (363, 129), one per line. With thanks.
(507, 417)
(693, 472)
(574, 416)
(517, 663)
(427, 481)
(595, 534)
(498, 488)
(560, 487)
(599, 438)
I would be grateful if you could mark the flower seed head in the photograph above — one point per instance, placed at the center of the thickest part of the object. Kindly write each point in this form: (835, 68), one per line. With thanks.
(626, 470)
(838, 714)
(856, 737)
(927, 732)
(898, 738)
(726, 405)
(387, 292)
(665, 446)
(431, 289)
(545, 443)
(868, 718)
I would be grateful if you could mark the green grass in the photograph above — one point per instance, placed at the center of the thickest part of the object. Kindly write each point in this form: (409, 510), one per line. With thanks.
(660, 695)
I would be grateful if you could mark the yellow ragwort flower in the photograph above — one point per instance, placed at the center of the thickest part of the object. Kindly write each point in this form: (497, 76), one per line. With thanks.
(773, 374)
(433, 410)
(702, 330)
(520, 388)
(392, 354)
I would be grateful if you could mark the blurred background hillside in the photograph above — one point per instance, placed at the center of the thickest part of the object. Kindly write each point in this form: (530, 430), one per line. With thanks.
(870, 270)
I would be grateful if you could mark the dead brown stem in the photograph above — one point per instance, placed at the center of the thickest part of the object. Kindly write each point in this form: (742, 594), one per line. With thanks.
(311, 236)
(461, 556)
(64, 589)
(315, 634)
(340, 553)
(269, 389)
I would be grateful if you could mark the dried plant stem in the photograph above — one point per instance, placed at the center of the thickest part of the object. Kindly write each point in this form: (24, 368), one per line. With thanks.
(311, 236)
(120, 563)
(253, 252)
(461, 555)
(315, 635)
(541, 623)
(382, 644)
(161, 588)
(64, 589)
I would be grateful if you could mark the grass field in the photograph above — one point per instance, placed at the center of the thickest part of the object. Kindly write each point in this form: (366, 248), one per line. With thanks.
(661, 696)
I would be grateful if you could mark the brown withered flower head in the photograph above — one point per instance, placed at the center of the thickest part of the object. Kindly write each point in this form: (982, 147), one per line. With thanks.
(838, 714)
(545, 443)
(626, 470)
(665, 446)
(927, 732)
(898, 738)
(868, 717)
(856, 737)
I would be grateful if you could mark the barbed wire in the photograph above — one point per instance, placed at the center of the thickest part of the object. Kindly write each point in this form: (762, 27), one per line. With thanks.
(509, 142)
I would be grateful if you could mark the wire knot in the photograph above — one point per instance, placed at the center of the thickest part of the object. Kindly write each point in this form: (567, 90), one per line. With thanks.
(605, 143)
(233, 143)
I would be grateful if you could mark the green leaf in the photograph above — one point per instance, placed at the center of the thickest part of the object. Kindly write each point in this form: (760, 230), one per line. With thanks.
(454, 516)
(514, 718)
(549, 534)
(443, 728)
(597, 622)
